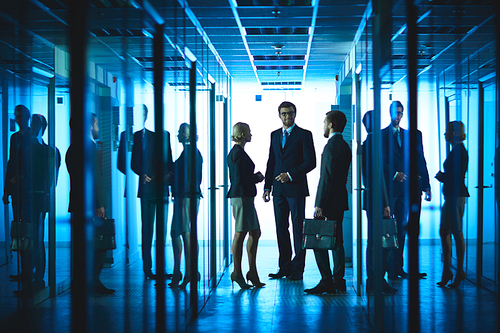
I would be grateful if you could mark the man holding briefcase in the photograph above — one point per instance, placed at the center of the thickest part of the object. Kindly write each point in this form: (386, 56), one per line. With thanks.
(332, 201)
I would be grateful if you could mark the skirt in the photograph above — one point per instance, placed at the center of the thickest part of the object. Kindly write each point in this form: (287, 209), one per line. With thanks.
(181, 218)
(245, 215)
(452, 213)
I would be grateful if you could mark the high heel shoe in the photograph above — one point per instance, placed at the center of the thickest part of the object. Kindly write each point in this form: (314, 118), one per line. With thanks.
(239, 280)
(187, 279)
(448, 276)
(458, 278)
(176, 278)
(254, 278)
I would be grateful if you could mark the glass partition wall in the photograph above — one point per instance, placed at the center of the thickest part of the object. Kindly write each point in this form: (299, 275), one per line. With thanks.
(442, 67)
(134, 57)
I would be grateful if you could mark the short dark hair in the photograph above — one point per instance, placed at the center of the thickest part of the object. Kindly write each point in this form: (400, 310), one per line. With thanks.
(25, 112)
(395, 105)
(367, 120)
(287, 105)
(337, 119)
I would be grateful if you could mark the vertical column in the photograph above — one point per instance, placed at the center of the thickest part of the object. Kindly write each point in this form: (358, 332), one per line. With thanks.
(415, 195)
(5, 140)
(193, 195)
(158, 52)
(213, 192)
(480, 184)
(225, 182)
(52, 196)
(79, 122)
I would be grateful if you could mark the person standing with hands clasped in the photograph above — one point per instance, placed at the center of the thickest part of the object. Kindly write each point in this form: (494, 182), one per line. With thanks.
(332, 201)
(291, 157)
(242, 193)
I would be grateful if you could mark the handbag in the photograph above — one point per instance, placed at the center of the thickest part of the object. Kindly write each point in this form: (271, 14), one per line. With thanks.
(389, 233)
(105, 234)
(319, 234)
(21, 234)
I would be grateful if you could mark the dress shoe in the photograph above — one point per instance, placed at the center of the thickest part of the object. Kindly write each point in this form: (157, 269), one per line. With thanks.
(458, 279)
(285, 271)
(404, 275)
(340, 286)
(321, 288)
(23, 293)
(176, 278)
(239, 280)
(17, 278)
(422, 275)
(387, 289)
(445, 277)
(150, 275)
(295, 276)
(102, 290)
(253, 277)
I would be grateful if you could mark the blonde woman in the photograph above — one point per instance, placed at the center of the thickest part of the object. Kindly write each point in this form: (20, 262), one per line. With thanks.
(242, 193)
(455, 193)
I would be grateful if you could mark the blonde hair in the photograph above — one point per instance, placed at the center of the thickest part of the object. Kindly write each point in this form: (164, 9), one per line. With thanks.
(238, 130)
(458, 128)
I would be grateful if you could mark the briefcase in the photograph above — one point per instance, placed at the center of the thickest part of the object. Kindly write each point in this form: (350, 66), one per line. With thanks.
(21, 234)
(389, 233)
(105, 234)
(319, 234)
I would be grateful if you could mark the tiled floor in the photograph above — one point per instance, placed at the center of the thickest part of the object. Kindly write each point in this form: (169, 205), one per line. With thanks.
(281, 306)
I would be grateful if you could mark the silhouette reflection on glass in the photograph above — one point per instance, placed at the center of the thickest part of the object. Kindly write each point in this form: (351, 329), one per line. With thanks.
(47, 160)
(181, 191)
(455, 193)
(73, 157)
(18, 185)
(368, 195)
(143, 162)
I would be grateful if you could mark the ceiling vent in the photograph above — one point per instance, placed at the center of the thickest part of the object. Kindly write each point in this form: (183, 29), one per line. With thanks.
(282, 88)
(167, 58)
(273, 3)
(274, 68)
(442, 30)
(184, 84)
(277, 31)
(282, 83)
(277, 58)
(119, 33)
(169, 68)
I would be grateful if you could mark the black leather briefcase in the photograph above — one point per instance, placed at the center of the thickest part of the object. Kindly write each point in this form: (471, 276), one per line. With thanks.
(319, 234)
(389, 233)
(105, 234)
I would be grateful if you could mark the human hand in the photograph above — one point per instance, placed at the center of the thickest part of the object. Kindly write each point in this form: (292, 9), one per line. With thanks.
(428, 195)
(318, 212)
(260, 176)
(266, 196)
(101, 212)
(401, 177)
(5, 199)
(145, 179)
(283, 177)
(387, 211)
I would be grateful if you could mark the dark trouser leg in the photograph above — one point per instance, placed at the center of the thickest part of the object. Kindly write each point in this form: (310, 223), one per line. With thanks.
(99, 259)
(323, 262)
(298, 211)
(147, 216)
(369, 249)
(40, 258)
(401, 215)
(281, 212)
(338, 252)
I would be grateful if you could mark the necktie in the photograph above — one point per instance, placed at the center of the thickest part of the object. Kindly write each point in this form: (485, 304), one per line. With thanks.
(398, 135)
(285, 136)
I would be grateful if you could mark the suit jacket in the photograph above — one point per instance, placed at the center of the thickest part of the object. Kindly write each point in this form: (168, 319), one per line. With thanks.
(394, 161)
(144, 160)
(297, 158)
(366, 167)
(453, 177)
(181, 184)
(335, 163)
(16, 165)
(73, 156)
(46, 161)
(241, 174)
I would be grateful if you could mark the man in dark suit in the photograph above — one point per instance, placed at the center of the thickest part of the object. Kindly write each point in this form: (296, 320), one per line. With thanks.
(332, 201)
(73, 156)
(291, 157)
(144, 159)
(397, 180)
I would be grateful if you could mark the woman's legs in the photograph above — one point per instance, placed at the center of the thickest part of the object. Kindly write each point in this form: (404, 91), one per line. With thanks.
(460, 244)
(446, 245)
(252, 243)
(237, 249)
(177, 248)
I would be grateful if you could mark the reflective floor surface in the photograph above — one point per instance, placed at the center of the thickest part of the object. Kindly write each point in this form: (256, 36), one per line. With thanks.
(281, 306)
